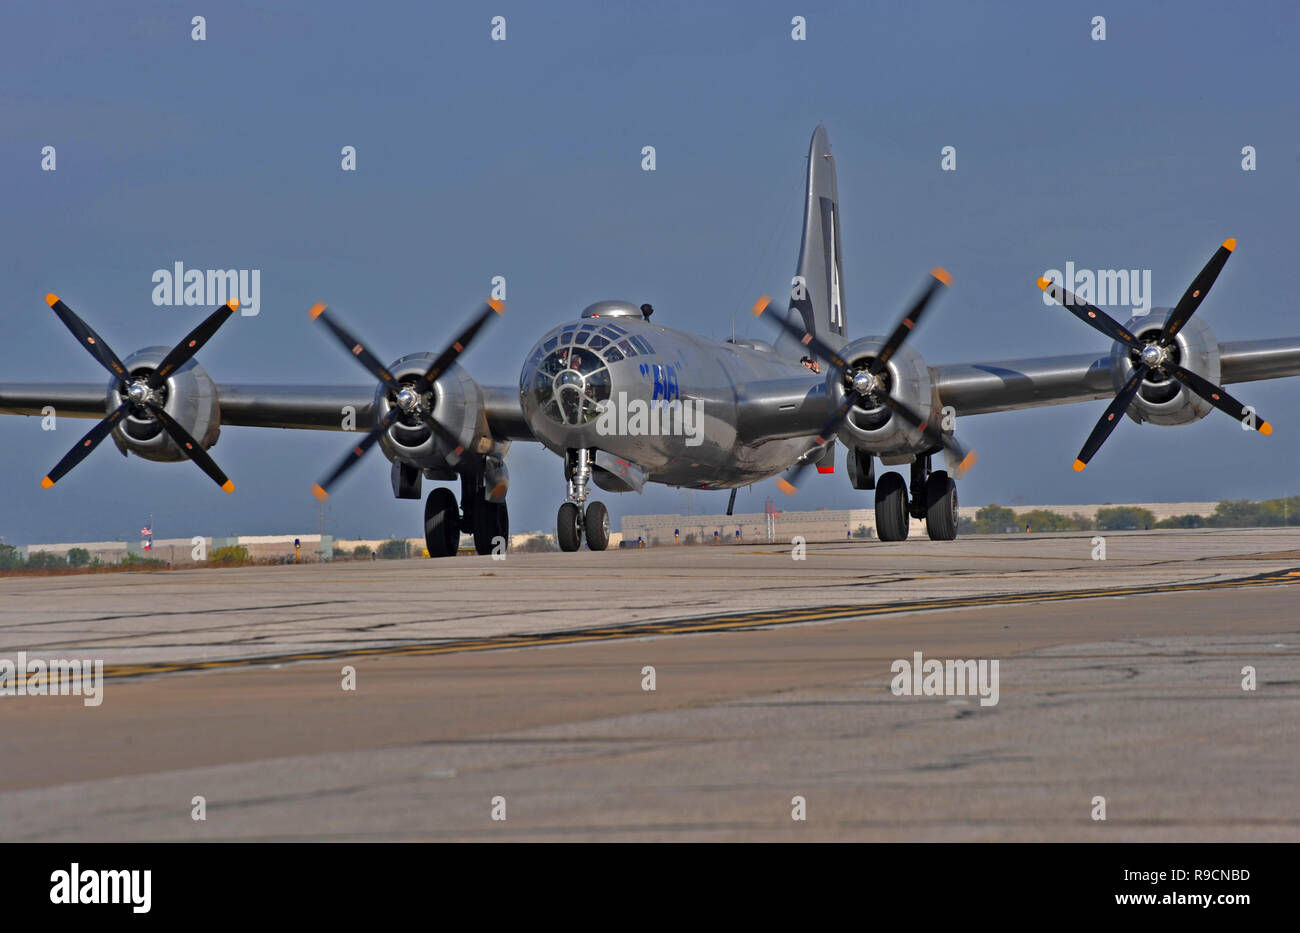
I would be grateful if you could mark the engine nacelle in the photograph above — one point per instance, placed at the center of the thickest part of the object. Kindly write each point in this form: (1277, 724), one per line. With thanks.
(874, 427)
(1163, 399)
(457, 406)
(191, 399)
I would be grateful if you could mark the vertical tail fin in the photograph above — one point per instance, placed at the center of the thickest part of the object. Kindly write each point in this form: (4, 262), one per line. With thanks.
(817, 294)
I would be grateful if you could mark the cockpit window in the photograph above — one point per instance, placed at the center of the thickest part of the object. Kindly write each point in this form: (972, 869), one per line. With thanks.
(585, 362)
(567, 375)
(570, 384)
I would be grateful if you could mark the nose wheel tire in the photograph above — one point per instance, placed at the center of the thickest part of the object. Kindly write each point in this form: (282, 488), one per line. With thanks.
(568, 527)
(491, 521)
(596, 526)
(940, 507)
(892, 520)
(441, 523)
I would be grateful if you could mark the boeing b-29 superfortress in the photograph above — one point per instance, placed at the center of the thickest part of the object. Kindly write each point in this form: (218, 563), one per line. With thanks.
(760, 409)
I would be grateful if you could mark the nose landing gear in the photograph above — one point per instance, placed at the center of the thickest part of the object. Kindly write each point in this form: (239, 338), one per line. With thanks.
(573, 523)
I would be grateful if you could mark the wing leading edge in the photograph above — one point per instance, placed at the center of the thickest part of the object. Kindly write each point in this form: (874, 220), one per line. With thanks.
(294, 407)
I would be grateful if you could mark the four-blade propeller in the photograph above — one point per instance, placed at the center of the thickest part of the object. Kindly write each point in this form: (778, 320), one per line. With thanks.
(872, 382)
(1157, 356)
(140, 394)
(412, 400)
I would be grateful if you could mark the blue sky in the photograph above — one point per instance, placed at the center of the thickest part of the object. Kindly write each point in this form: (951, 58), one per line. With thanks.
(522, 158)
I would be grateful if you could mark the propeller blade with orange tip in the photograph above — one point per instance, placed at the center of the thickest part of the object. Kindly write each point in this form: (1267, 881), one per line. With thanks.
(87, 337)
(939, 278)
(789, 484)
(321, 490)
(1196, 292)
(84, 446)
(320, 311)
(181, 354)
(1091, 315)
(1217, 396)
(459, 345)
(814, 345)
(191, 448)
(965, 459)
(1110, 418)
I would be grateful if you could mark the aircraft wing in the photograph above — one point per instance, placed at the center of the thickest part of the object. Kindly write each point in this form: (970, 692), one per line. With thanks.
(300, 407)
(1006, 385)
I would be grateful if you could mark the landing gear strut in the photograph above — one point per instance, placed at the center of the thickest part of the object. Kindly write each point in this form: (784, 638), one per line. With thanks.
(578, 518)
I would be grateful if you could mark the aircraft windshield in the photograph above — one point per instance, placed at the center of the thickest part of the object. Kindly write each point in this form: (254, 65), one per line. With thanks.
(567, 374)
(569, 384)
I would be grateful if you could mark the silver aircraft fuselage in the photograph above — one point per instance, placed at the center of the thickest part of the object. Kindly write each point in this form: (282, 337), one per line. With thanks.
(671, 402)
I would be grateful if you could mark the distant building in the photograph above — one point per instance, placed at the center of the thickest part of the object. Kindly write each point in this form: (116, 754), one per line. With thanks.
(835, 524)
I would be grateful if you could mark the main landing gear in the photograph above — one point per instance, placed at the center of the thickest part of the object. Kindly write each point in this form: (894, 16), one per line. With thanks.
(572, 523)
(933, 498)
(489, 522)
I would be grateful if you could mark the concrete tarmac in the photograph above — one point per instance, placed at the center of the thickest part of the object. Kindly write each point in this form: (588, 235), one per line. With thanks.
(1119, 679)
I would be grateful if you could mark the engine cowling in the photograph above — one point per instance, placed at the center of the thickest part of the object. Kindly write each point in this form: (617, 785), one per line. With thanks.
(457, 406)
(191, 399)
(872, 426)
(1163, 399)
